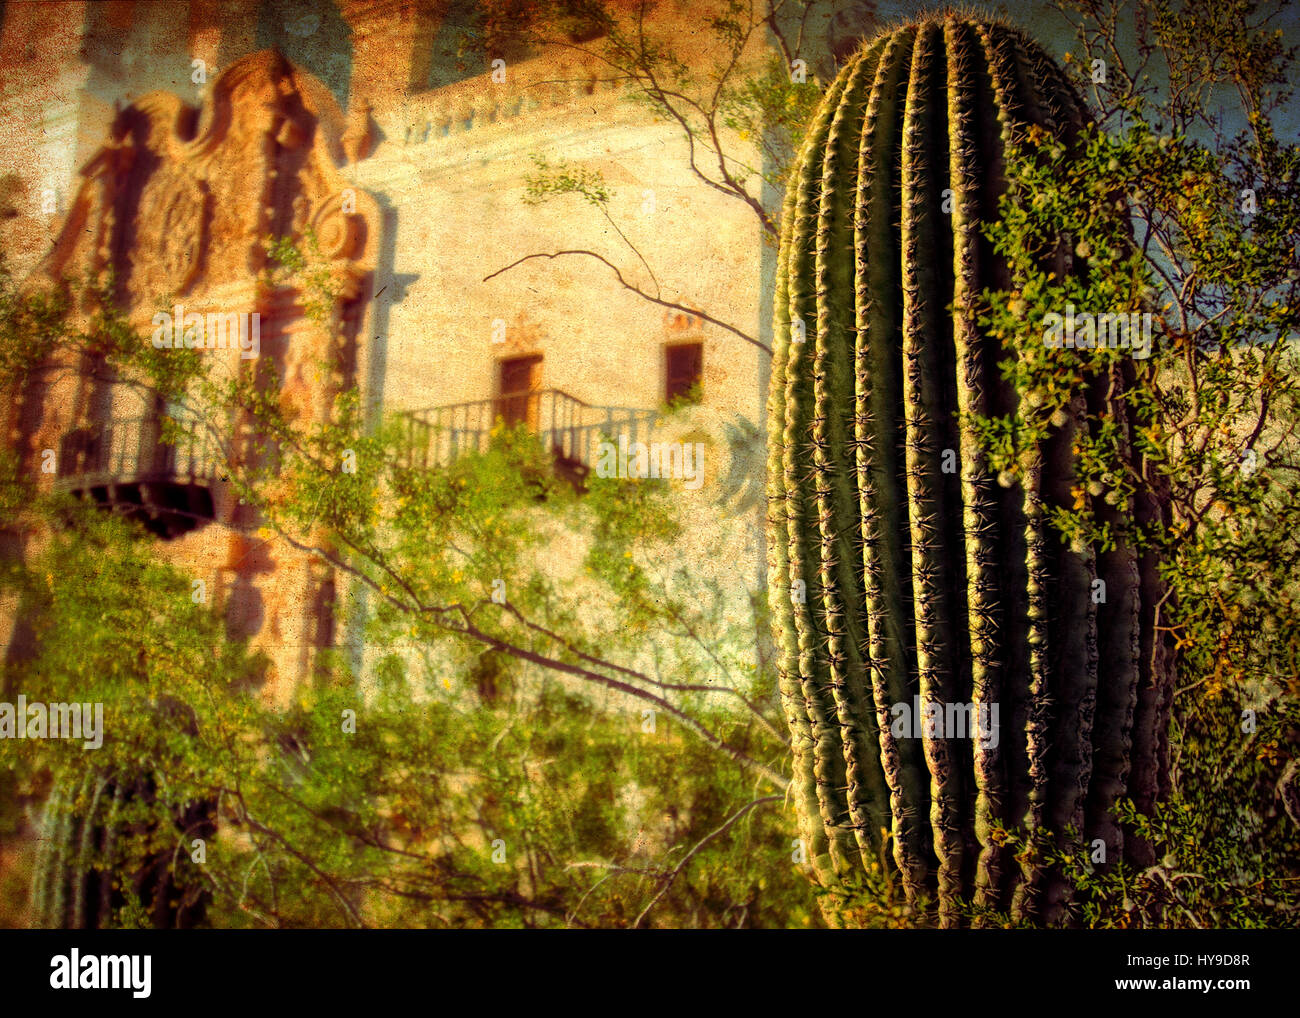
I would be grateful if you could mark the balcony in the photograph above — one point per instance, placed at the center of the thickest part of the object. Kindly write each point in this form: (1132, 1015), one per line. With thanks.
(568, 428)
(125, 466)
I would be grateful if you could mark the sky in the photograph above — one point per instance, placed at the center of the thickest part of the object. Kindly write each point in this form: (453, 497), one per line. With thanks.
(1045, 24)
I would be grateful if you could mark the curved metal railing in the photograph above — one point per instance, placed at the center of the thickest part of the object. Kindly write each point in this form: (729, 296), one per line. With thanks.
(132, 450)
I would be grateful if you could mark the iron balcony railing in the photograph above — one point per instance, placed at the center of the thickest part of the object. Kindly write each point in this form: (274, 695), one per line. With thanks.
(132, 450)
(568, 427)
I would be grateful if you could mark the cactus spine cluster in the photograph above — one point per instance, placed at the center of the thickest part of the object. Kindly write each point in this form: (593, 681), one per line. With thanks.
(899, 566)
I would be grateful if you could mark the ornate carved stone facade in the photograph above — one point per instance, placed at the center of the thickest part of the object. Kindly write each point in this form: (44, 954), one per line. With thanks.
(201, 132)
(167, 141)
(179, 204)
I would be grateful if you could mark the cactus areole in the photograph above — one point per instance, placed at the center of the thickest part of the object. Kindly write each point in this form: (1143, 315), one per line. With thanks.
(904, 578)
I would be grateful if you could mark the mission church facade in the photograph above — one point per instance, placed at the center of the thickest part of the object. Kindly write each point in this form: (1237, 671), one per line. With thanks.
(166, 142)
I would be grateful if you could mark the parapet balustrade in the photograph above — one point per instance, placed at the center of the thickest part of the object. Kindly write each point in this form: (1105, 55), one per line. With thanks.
(532, 85)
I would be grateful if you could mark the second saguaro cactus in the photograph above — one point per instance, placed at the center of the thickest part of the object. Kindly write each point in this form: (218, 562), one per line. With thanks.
(85, 872)
(902, 573)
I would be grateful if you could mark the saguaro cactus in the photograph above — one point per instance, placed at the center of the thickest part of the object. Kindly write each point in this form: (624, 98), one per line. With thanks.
(84, 875)
(899, 566)
(93, 858)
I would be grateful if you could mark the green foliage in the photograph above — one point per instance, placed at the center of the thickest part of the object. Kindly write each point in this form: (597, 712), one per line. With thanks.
(393, 824)
(693, 396)
(772, 109)
(310, 271)
(1182, 202)
(564, 178)
(478, 725)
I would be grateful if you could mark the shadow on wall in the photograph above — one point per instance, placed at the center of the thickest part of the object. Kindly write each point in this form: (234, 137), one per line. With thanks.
(313, 36)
